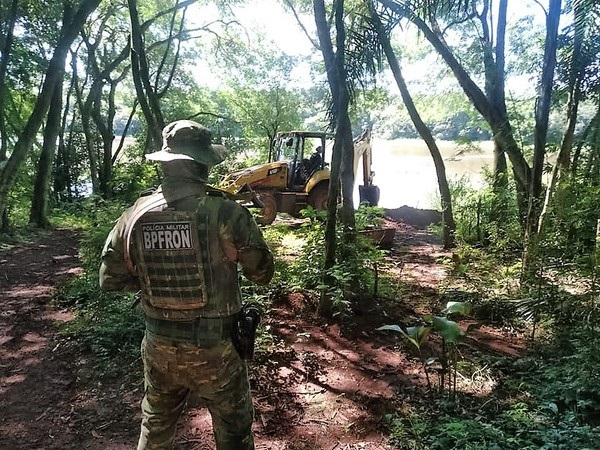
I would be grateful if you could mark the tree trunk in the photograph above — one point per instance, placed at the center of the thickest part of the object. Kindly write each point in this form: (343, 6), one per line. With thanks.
(106, 127)
(62, 168)
(544, 98)
(494, 66)
(561, 168)
(146, 95)
(6, 54)
(541, 132)
(119, 148)
(71, 27)
(39, 205)
(85, 109)
(491, 109)
(326, 302)
(342, 163)
(424, 132)
(343, 128)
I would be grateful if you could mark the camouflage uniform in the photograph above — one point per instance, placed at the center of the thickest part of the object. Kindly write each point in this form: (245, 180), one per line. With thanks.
(189, 310)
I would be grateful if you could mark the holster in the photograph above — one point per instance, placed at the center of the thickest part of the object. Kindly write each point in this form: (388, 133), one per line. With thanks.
(244, 332)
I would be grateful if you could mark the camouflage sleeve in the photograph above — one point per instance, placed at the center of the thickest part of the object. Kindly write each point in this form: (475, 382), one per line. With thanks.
(114, 274)
(253, 253)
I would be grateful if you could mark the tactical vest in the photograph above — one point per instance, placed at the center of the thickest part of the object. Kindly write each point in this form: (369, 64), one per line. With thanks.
(183, 271)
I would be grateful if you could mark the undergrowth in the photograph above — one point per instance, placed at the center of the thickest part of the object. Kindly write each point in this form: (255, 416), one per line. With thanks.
(548, 399)
(536, 405)
(109, 328)
(106, 325)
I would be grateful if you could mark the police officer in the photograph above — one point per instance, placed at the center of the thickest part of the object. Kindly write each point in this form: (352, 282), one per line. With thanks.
(182, 246)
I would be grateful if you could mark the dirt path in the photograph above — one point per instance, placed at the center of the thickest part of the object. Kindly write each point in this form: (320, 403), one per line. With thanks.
(323, 388)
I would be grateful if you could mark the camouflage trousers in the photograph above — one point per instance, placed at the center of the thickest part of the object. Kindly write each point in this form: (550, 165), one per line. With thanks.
(217, 374)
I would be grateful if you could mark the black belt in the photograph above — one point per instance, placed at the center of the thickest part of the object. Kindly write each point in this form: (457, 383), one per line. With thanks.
(203, 331)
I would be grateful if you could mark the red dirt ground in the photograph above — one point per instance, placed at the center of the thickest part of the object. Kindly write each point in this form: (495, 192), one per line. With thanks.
(325, 387)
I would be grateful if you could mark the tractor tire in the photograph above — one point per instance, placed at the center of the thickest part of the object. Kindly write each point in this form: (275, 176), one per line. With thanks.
(318, 197)
(268, 212)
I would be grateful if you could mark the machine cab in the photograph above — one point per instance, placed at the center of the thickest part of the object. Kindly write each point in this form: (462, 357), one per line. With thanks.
(303, 152)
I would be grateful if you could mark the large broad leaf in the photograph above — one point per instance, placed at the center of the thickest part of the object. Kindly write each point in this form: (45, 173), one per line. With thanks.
(416, 335)
(391, 328)
(463, 308)
(448, 329)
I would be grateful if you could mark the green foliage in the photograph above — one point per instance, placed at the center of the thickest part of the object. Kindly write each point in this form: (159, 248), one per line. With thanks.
(449, 116)
(572, 220)
(241, 153)
(569, 374)
(71, 169)
(548, 399)
(105, 325)
(510, 425)
(486, 216)
(353, 275)
(131, 178)
(19, 197)
(466, 434)
(448, 331)
(410, 432)
(368, 217)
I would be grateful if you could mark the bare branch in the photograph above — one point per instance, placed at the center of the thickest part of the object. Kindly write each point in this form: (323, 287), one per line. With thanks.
(297, 17)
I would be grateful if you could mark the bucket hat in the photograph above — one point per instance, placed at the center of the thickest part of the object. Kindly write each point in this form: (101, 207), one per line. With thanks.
(186, 139)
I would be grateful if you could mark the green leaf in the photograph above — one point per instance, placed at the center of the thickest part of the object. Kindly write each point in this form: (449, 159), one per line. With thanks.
(415, 335)
(431, 361)
(553, 407)
(428, 317)
(418, 334)
(463, 308)
(447, 328)
(391, 328)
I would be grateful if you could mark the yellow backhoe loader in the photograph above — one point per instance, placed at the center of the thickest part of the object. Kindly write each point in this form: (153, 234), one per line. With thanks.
(297, 175)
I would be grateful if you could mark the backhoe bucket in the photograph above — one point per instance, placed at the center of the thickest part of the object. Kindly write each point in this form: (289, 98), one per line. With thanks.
(369, 194)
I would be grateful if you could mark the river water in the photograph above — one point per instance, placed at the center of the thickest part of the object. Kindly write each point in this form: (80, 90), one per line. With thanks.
(405, 173)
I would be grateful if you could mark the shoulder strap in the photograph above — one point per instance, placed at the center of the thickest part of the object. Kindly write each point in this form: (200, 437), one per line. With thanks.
(138, 212)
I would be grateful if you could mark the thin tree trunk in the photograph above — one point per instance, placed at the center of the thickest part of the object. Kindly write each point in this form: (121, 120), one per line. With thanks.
(326, 303)
(119, 148)
(545, 97)
(71, 27)
(106, 127)
(146, 95)
(85, 109)
(61, 161)
(342, 164)
(39, 205)
(494, 65)
(561, 168)
(491, 111)
(6, 54)
(540, 135)
(343, 129)
(424, 132)
(4, 60)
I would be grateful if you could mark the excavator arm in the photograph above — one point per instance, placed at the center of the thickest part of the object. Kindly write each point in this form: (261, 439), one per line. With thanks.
(368, 192)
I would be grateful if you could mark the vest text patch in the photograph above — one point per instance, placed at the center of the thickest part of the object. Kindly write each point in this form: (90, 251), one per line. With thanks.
(167, 235)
